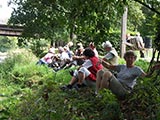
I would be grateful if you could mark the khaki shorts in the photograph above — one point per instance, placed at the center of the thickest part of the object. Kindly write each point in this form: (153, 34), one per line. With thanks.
(118, 88)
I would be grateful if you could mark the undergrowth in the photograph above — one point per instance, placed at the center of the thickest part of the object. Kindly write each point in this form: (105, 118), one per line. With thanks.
(32, 92)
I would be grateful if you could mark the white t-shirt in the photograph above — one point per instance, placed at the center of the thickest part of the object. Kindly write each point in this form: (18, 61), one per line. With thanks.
(84, 69)
(64, 56)
(87, 64)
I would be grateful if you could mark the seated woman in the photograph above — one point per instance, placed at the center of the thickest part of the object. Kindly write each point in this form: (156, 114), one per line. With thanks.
(62, 59)
(126, 77)
(77, 58)
(86, 74)
(47, 59)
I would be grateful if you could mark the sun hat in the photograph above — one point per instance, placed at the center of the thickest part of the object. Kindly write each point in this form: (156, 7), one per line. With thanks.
(70, 44)
(52, 50)
(61, 49)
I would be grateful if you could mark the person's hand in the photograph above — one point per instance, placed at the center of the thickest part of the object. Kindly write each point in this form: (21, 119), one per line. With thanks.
(152, 69)
(74, 57)
(156, 67)
(99, 62)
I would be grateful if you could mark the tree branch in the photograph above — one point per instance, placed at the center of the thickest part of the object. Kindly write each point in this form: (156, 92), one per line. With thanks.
(151, 8)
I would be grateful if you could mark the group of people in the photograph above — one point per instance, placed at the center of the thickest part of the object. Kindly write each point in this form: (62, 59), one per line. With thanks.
(100, 73)
(56, 60)
(135, 43)
(62, 57)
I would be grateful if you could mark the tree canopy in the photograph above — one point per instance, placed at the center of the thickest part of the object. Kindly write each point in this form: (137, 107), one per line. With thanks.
(90, 20)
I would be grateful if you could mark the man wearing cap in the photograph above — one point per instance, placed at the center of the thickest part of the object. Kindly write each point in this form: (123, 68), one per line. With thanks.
(111, 57)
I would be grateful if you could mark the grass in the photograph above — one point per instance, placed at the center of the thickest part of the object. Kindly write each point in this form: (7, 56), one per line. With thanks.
(30, 92)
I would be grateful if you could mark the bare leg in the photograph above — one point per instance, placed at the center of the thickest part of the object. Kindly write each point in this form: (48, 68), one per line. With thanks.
(73, 80)
(99, 79)
(105, 80)
(81, 77)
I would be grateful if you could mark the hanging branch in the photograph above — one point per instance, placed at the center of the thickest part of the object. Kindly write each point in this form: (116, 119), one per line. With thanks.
(147, 6)
(158, 56)
(152, 60)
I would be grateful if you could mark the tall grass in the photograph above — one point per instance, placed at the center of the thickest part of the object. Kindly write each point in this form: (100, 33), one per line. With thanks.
(20, 76)
(32, 92)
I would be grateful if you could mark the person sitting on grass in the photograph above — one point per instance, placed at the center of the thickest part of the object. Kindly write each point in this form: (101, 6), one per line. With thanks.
(85, 75)
(47, 59)
(77, 58)
(126, 77)
(111, 57)
(93, 47)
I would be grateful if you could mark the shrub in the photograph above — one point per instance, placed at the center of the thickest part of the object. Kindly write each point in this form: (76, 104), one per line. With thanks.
(32, 92)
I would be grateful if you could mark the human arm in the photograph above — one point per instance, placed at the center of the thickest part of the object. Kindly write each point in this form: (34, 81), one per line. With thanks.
(155, 67)
(107, 64)
(78, 57)
(129, 44)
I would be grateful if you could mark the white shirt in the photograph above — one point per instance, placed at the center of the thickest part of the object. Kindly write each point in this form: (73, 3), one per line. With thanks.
(87, 64)
(64, 56)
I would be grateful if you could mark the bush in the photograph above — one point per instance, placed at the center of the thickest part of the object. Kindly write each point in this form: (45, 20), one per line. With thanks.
(32, 92)
(7, 43)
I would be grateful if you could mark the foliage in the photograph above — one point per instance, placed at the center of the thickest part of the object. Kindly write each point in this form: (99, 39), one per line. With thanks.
(21, 77)
(69, 105)
(30, 92)
(145, 101)
(89, 20)
(7, 43)
(135, 16)
(151, 12)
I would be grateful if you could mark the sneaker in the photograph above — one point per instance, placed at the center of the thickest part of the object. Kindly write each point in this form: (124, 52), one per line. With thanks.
(71, 72)
(66, 87)
(81, 85)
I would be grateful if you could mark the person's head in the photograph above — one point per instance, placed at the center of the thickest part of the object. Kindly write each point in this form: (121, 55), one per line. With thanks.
(130, 57)
(88, 53)
(70, 44)
(79, 45)
(52, 50)
(66, 48)
(107, 45)
(60, 49)
(91, 45)
(137, 34)
(130, 53)
(80, 49)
